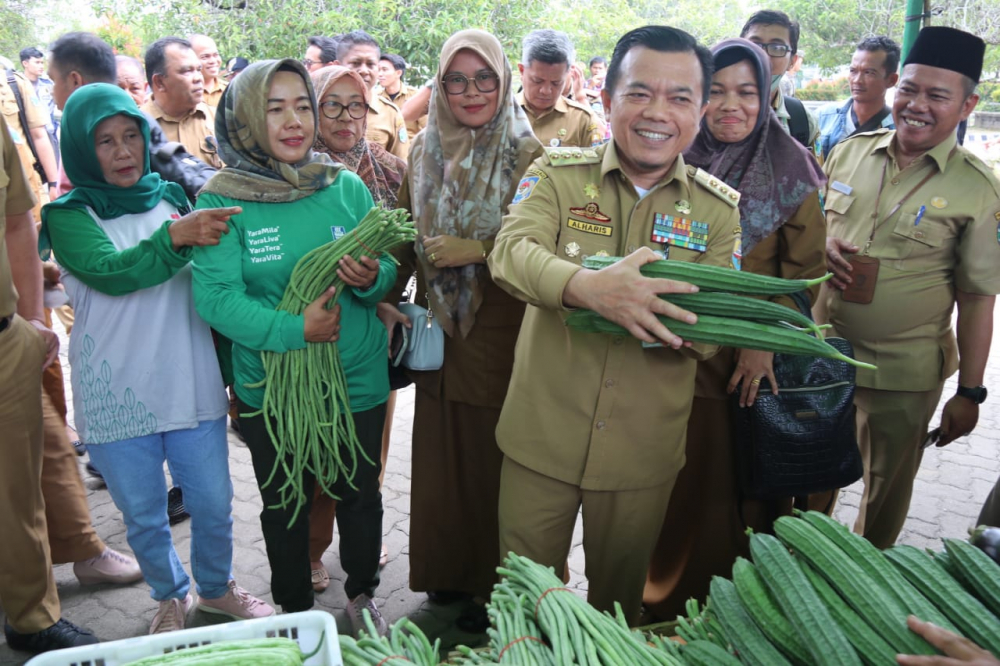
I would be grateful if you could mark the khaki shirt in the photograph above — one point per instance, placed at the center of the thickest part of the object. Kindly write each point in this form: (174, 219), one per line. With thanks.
(386, 127)
(34, 113)
(569, 123)
(906, 329)
(405, 93)
(213, 95)
(15, 198)
(592, 410)
(195, 131)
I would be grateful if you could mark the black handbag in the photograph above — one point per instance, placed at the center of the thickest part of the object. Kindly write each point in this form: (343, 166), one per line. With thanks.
(804, 439)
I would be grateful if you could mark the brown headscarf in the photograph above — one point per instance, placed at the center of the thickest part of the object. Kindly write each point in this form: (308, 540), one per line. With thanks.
(381, 171)
(461, 179)
(251, 173)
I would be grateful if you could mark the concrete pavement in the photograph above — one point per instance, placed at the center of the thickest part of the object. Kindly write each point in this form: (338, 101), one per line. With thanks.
(949, 491)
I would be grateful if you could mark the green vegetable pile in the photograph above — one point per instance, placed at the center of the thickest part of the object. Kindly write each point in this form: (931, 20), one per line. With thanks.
(305, 390)
(726, 314)
(816, 594)
(270, 651)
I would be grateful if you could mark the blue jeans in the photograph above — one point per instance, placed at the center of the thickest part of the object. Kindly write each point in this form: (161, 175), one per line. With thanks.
(198, 459)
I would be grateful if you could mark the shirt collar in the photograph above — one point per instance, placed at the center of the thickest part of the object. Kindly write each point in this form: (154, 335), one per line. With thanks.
(610, 163)
(561, 106)
(779, 106)
(158, 113)
(939, 153)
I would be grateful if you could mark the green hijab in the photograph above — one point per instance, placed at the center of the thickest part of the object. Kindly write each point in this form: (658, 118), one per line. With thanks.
(251, 173)
(86, 108)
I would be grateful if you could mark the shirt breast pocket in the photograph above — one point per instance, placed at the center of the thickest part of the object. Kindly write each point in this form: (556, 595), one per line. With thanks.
(913, 241)
(836, 205)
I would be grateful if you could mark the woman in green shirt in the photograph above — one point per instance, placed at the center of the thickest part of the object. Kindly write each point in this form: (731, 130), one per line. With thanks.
(293, 201)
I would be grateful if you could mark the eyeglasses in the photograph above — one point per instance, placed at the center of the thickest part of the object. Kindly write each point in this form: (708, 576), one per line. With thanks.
(309, 63)
(333, 110)
(456, 84)
(775, 50)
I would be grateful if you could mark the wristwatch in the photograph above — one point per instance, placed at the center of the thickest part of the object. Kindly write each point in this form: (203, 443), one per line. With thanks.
(976, 395)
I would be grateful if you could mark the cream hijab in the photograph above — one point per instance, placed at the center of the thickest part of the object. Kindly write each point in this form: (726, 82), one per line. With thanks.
(461, 180)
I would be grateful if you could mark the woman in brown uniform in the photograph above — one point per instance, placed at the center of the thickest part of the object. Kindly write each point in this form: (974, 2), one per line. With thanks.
(742, 143)
(463, 172)
(343, 100)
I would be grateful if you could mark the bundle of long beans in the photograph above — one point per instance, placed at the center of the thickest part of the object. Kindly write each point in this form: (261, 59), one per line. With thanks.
(307, 409)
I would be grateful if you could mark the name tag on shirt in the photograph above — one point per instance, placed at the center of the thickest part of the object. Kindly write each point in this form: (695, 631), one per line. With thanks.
(338, 232)
(841, 187)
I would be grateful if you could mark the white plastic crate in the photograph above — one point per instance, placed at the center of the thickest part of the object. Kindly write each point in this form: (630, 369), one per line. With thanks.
(305, 628)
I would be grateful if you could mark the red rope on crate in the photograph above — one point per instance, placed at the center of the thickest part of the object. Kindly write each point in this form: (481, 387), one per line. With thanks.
(516, 641)
(551, 589)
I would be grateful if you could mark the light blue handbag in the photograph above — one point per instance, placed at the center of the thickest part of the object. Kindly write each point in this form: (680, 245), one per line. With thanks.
(423, 348)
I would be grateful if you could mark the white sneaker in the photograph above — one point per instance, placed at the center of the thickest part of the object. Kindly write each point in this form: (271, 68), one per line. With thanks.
(171, 615)
(356, 608)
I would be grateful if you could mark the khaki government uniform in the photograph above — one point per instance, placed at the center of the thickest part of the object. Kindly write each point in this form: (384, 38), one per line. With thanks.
(35, 114)
(705, 527)
(405, 93)
(195, 131)
(27, 587)
(568, 123)
(213, 95)
(906, 329)
(386, 127)
(594, 419)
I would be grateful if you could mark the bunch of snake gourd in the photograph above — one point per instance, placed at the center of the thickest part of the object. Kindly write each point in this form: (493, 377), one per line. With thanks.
(726, 316)
(307, 409)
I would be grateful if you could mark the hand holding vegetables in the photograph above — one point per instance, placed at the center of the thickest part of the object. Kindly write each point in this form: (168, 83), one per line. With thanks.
(620, 294)
(322, 325)
(360, 274)
(958, 650)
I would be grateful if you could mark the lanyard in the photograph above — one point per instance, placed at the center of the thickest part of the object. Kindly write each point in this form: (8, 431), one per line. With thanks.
(895, 209)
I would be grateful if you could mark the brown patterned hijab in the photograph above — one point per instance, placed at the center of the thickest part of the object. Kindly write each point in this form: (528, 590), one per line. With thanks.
(381, 171)
(251, 173)
(460, 179)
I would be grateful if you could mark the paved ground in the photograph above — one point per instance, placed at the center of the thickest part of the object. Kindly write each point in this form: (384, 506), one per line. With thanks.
(949, 491)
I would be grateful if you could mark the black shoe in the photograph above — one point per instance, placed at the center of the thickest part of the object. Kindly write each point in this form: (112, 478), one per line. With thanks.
(63, 634)
(473, 620)
(79, 447)
(175, 506)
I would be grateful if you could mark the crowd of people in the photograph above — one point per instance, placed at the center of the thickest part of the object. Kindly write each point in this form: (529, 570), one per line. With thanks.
(180, 194)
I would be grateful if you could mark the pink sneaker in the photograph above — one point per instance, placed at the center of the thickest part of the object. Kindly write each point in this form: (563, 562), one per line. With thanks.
(237, 603)
(108, 567)
(171, 615)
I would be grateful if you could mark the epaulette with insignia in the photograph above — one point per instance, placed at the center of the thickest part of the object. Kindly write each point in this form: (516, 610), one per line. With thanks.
(715, 185)
(571, 156)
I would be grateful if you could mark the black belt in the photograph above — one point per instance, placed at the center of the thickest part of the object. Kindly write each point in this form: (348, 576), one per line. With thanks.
(5, 322)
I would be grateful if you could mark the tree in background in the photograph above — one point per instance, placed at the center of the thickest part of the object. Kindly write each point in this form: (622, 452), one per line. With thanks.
(17, 29)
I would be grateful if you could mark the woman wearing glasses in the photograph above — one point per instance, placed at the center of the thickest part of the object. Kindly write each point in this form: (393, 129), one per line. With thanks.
(343, 104)
(464, 169)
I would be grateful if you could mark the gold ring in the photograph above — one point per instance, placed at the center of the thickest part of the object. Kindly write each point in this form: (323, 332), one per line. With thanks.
(756, 380)
(433, 260)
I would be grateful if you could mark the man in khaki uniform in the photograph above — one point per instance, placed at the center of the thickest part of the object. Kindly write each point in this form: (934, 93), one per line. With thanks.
(359, 51)
(546, 58)
(34, 113)
(174, 74)
(211, 63)
(391, 69)
(597, 420)
(27, 587)
(913, 225)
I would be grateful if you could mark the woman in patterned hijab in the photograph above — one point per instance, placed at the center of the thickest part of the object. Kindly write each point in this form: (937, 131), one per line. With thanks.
(463, 172)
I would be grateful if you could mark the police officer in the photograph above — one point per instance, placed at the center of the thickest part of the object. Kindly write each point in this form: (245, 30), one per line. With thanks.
(913, 225)
(546, 58)
(592, 419)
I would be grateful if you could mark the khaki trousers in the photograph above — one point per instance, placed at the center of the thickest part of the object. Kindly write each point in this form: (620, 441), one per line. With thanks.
(27, 586)
(892, 426)
(71, 534)
(537, 514)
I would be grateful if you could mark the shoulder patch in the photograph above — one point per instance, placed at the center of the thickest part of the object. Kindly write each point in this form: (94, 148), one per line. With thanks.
(568, 156)
(715, 185)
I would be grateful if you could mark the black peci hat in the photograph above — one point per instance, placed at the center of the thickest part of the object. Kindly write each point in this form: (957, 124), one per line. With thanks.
(948, 48)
